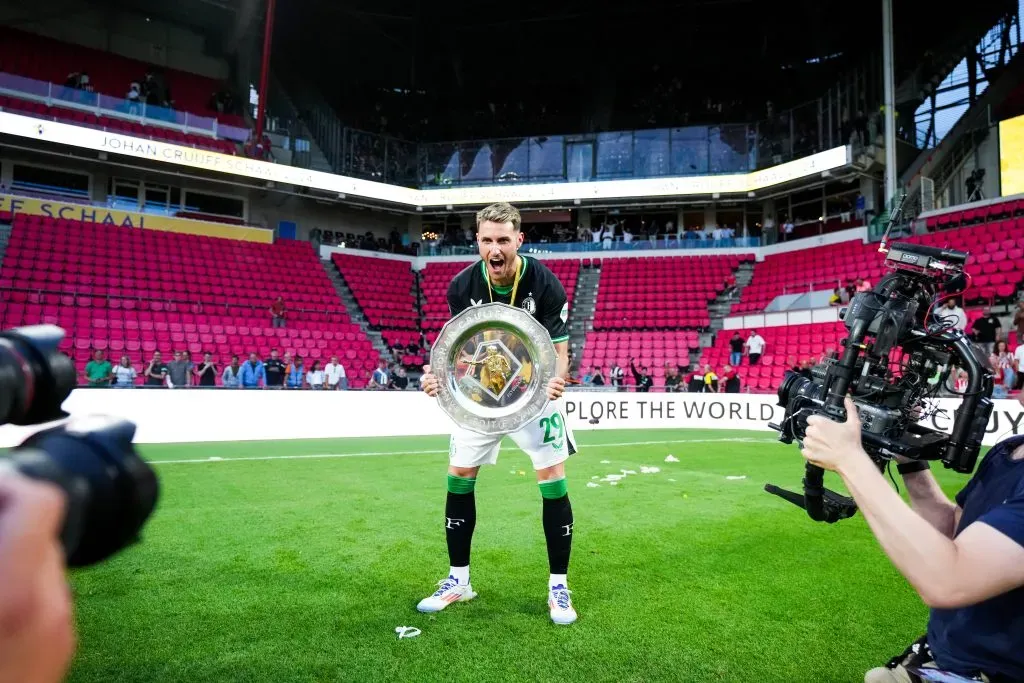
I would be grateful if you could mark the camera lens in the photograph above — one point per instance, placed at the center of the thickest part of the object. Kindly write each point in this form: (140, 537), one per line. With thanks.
(35, 377)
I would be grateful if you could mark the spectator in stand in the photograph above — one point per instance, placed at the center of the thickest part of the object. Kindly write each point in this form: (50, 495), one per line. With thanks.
(315, 376)
(837, 297)
(400, 380)
(275, 371)
(253, 373)
(178, 374)
(863, 285)
(124, 374)
(755, 347)
(206, 373)
(597, 377)
(231, 379)
(787, 229)
(617, 376)
(334, 374)
(710, 380)
(381, 378)
(98, 370)
(952, 314)
(187, 356)
(642, 378)
(277, 312)
(296, 374)
(858, 204)
(627, 235)
(1005, 361)
(805, 368)
(998, 378)
(736, 349)
(985, 330)
(1018, 322)
(134, 95)
(672, 378)
(156, 371)
(732, 379)
(695, 384)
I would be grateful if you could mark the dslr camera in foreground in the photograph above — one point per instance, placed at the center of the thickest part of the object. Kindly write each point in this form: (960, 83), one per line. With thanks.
(110, 491)
(896, 357)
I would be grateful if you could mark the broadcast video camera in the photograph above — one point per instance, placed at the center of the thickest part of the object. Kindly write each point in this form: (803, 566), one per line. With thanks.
(898, 354)
(110, 491)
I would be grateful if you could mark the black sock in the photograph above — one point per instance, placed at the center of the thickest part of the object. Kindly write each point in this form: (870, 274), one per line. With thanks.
(558, 532)
(460, 519)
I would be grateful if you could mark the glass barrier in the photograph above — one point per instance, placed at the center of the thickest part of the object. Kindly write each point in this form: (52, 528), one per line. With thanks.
(433, 248)
(97, 104)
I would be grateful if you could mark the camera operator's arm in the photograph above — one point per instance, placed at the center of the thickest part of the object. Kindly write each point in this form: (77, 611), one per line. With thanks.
(928, 500)
(36, 634)
(980, 563)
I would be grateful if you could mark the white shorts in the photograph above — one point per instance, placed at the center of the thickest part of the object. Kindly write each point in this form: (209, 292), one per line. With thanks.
(548, 441)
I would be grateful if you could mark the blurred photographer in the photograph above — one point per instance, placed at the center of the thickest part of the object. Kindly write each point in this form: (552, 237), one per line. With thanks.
(36, 633)
(964, 558)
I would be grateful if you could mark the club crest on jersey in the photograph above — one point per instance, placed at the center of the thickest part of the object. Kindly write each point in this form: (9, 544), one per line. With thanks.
(529, 304)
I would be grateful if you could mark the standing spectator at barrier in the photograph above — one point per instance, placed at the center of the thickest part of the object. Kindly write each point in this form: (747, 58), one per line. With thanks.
(275, 370)
(986, 329)
(232, 379)
(672, 378)
(710, 380)
(400, 381)
(837, 297)
(1018, 322)
(952, 314)
(277, 312)
(206, 373)
(998, 378)
(732, 379)
(315, 376)
(334, 375)
(187, 357)
(296, 374)
(380, 379)
(156, 371)
(253, 374)
(618, 377)
(736, 349)
(641, 377)
(1004, 359)
(755, 347)
(178, 371)
(98, 370)
(124, 374)
(1018, 366)
(695, 383)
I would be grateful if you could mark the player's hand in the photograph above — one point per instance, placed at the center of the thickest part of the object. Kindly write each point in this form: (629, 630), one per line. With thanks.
(36, 634)
(429, 383)
(831, 445)
(555, 388)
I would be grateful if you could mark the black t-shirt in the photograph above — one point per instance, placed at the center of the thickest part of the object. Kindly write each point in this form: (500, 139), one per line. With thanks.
(671, 382)
(275, 372)
(597, 380)
(696, 383)
(985, 329)
(207, 377)
(400, 382)
(736, 345)
(157, 369)
(540, 294)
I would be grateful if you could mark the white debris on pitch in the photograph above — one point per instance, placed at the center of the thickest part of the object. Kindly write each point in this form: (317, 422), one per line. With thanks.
(671, 458)
(614, 477)
(512, 472)
(595, 477)
(671, 479)
(731, 478)
(649, 470)
(606, 462)
(592, 485)
(613, 483)
(407, 631)
(628, 471)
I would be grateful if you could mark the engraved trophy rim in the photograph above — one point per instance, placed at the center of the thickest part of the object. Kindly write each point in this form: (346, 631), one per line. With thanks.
(450, 341)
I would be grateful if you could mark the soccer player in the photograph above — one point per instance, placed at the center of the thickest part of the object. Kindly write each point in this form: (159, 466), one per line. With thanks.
(503, 275)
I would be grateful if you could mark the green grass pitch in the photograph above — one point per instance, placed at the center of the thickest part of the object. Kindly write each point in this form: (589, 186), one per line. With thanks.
(267, 565)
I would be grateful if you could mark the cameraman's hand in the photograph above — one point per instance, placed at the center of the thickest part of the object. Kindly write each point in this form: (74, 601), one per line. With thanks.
(36, 633)
(428, 382)
(830, 445)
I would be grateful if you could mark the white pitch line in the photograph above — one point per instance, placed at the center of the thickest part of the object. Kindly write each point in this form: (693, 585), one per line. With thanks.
(318, 456)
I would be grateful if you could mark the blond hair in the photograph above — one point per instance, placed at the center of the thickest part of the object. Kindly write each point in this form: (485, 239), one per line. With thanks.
(501, 212)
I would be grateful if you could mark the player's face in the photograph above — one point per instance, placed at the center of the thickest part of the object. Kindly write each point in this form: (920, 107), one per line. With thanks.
(498, 243)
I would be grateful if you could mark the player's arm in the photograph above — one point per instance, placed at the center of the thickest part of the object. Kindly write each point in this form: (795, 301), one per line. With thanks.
(562, 349)
(553, 314)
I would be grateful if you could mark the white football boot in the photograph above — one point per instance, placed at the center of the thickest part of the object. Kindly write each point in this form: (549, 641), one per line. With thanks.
(448, 591)
(560, 605)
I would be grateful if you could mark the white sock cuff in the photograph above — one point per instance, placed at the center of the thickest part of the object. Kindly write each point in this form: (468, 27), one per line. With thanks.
(558, 579)
(461, 574)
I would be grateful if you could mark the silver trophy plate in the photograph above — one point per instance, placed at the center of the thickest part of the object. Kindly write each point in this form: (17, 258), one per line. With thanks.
(493, 363)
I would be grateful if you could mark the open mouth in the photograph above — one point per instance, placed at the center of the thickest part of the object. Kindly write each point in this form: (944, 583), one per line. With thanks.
(496, 264)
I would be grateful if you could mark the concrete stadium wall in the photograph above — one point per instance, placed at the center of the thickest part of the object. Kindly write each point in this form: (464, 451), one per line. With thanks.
(182, 416)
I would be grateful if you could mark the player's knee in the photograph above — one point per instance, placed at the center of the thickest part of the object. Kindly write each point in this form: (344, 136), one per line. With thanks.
(464, 472)
(551, 473)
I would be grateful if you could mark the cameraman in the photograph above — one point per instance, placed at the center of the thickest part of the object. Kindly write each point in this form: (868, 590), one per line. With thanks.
(965, 559)
(36, 635)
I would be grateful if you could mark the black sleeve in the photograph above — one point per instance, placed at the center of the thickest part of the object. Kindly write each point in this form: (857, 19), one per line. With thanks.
(553, 311)
(457, 300)
(636, 375)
